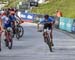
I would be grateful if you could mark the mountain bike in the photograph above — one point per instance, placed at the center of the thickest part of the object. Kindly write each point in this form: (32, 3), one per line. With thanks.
(19, 31)
(47, 39)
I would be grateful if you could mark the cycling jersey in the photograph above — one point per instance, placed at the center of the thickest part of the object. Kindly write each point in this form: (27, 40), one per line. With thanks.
(12, 18)
(45, 21)
(5, 22)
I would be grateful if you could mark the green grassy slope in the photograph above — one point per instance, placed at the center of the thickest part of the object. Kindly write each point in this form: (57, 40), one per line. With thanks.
(66, 6)
(13, 3)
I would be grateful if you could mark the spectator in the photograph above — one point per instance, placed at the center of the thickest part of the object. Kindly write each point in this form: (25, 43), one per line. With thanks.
(58, 13)
(57, 17)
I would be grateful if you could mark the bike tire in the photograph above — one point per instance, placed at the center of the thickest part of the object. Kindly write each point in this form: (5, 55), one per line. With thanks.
(17, 33)
(10, 44)
(49, 44)
(6, 43)
(21, 31)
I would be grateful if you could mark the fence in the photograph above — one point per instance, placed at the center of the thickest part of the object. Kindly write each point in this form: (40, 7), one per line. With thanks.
(67, 24)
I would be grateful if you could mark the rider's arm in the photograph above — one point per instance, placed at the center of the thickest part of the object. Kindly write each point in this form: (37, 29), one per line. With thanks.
(51, 20)
(0, 24)
(42, 21)
(17, 17)
(0, 21)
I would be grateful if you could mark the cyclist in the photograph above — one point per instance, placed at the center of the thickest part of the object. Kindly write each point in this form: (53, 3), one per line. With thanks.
(48, 23)
(5, 22)
(13, 17)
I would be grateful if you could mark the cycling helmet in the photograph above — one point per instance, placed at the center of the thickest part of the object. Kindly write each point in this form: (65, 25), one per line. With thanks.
(46, 16)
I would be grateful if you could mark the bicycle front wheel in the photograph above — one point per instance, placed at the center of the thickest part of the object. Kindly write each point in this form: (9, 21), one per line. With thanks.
(19, 32)
(9, 40)
(49, 44)
(10, 44)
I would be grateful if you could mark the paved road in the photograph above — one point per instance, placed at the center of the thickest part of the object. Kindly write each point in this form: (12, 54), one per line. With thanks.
(32, 47)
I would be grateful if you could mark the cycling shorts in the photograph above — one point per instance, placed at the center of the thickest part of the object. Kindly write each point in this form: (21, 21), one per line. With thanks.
(47, 26)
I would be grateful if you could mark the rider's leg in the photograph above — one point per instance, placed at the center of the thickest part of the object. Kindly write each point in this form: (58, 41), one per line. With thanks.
(44, 34)
(4, 34)
(51, 37)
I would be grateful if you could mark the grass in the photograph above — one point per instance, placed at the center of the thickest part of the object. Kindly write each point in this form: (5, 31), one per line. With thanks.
(13, 3)
(66, 6)
(3, 0)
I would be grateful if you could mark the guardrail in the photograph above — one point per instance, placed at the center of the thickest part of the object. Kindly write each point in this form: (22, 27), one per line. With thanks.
(66, 24)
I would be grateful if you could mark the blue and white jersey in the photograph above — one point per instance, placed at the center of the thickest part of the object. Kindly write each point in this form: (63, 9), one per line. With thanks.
(12, 17)
(5, 21)
(45, 21)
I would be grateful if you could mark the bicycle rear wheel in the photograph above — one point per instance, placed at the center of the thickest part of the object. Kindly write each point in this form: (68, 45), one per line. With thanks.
(10, 44)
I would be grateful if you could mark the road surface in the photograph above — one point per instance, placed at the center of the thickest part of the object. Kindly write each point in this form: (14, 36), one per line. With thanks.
(32, 47)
